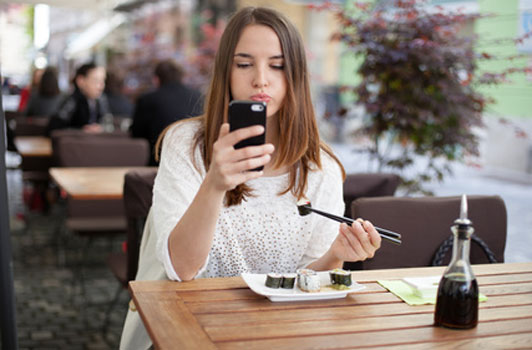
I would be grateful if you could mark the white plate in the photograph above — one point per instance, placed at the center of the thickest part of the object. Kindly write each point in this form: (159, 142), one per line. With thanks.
(255, 282)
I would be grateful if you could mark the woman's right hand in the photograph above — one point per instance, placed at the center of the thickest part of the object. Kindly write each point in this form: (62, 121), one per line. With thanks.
(231, 167)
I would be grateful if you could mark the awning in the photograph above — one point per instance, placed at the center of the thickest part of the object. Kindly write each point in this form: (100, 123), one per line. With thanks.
(93, 35)
(117, 5)
(82, 4)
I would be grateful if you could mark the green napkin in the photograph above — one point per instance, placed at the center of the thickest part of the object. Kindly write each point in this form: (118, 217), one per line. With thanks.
(406, 293)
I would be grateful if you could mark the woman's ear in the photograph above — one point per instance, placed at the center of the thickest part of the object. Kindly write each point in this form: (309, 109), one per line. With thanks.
(80, 82)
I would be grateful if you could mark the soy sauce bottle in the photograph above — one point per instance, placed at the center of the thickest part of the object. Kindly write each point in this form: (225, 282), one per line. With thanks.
(457, 302)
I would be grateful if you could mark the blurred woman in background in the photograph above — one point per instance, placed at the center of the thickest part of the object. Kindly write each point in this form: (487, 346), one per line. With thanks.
(85, 108)
(45, 101)
(26, 91)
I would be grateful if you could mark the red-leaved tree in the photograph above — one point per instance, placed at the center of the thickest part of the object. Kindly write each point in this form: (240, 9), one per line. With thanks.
(418, 85)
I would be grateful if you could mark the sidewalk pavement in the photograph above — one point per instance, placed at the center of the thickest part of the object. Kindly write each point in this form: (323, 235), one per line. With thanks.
(51, 312)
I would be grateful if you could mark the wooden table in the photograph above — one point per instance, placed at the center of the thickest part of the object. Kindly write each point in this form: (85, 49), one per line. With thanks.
(91, 182)
(34, 146)
(222, 313)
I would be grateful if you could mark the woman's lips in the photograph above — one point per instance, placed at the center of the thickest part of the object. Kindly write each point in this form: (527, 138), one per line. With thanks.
(261, 97)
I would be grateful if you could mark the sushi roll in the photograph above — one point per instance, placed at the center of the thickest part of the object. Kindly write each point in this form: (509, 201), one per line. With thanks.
(273, 280)
(308, 280)
(289, 280)
(340, 277)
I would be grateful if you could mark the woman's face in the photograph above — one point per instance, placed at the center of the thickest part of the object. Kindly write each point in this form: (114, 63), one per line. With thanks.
(258, 68)
(93, 83)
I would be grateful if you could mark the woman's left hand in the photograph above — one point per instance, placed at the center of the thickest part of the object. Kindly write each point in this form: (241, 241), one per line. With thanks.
(356, 242)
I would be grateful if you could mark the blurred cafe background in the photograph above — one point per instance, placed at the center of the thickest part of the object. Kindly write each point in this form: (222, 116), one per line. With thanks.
(67, 295)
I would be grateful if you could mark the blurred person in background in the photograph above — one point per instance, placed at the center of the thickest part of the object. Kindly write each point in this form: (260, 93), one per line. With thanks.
(29, 89)
(46, 99)
(87, 105)
(119, 104)
(171, 101)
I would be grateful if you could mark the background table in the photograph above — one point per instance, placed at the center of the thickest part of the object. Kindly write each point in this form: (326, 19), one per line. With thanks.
(34, 146)
(222, 313)
(91, 183)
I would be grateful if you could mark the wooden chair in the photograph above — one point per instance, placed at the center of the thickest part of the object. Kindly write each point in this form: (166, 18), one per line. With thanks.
(425, 225)
(138, 186)
(98, 216)
(360, 185)
(34, 169)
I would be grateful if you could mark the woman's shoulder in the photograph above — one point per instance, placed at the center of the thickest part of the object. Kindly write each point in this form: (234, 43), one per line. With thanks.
(330, 166)
(184, 128)
(182, 132)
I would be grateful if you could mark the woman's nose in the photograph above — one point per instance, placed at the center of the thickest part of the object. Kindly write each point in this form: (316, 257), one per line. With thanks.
(260, 79)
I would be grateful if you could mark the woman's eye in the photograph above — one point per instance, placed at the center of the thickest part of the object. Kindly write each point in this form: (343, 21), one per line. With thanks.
(278, 66)
(243, 65)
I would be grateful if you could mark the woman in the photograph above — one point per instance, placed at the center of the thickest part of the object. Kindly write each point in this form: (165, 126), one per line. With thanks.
(30, 89)
(86, 107)
(46, 99)
(211, 215)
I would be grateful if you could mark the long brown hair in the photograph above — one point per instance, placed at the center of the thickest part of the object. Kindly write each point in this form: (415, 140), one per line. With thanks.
(299, 142)
(49, 87)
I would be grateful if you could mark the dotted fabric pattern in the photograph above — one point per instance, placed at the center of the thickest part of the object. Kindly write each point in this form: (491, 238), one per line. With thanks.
(263, 234)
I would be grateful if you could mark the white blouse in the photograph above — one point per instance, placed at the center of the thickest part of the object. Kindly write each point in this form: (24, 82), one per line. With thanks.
(263, 234)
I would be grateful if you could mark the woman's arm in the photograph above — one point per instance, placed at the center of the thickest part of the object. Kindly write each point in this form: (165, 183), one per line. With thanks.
(191, 239)
(332, 244)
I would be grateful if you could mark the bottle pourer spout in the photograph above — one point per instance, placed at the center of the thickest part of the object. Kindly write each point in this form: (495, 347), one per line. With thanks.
(463, 220)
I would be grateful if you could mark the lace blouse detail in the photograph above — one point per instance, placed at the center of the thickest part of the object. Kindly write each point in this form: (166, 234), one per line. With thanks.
(263, 234)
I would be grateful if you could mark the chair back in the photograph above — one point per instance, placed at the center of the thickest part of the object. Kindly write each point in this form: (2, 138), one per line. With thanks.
(138, 186)
(9, 115)
(55, 134)
(29, 126)
(98, 151)
(78, 134)
(360, 185)
(425, 222)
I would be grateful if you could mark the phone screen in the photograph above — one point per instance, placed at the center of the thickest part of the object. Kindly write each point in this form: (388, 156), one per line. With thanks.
(247, 113)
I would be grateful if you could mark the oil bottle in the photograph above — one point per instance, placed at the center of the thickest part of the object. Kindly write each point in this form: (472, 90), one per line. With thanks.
(457, 301)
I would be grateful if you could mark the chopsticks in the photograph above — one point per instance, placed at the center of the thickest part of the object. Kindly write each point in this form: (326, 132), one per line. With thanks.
(390, 236)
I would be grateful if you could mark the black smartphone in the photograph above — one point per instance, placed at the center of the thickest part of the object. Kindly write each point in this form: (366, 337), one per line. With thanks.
(247, 113)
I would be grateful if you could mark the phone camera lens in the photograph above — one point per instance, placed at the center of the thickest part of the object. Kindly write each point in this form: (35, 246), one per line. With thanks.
(257, 108)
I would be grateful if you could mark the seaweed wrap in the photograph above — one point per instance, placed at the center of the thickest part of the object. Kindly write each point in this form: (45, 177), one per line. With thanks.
(340, 277)
(289, 280)
(273, 280)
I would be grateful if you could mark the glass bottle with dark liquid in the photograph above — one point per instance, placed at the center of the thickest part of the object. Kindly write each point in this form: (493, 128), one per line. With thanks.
(457, 302)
